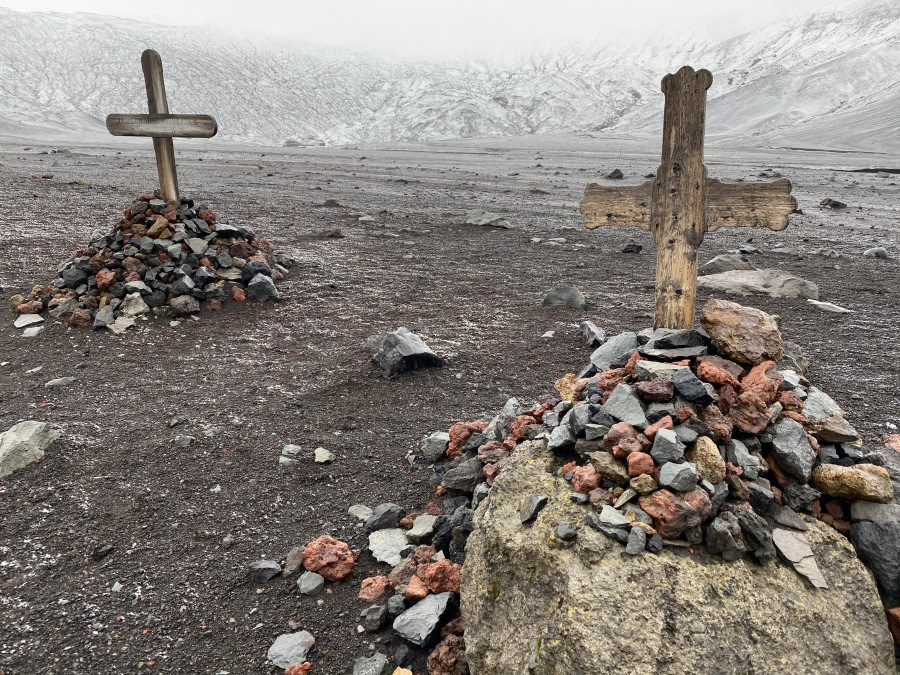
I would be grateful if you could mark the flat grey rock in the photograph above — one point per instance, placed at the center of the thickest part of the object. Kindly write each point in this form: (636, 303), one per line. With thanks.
(434, 446)
(792, 450)
(650, 370)
(795, 549)
(465, 476)
(480, 217)
(667, 447)
(727, 262)
(422, 529)
(771, 282)
(262, 571)
(565, 296)
(419, 622)
(386, 545)
(311, 583)
(589, 331)
(624, 405)
(613, 350)
(679, 477)
(24, 320)
(290, 648)
(377, 664)
(819, 405)
(530, 507)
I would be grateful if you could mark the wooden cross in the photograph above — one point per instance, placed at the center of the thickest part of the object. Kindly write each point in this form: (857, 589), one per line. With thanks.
(681, 205)
(161, 126)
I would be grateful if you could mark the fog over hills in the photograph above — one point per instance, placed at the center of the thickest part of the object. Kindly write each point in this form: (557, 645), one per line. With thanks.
(828, 81)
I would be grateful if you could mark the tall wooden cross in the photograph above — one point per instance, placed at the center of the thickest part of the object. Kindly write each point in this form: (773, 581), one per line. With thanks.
(681, 205)
(161, 126)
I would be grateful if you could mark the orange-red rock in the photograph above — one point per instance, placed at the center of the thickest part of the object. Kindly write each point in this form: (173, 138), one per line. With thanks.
(764, 380)
(623, 439)
(491, 452)
(329, 557)
(672, 515)
(455, 627)
(708, 372)
(658, 390)
(893, 617)
(400, 576)
(684, 414)
(517, 428)
(893, 442)
(81, 318)
(585, 478)
(238, 294)
(460, 434)
(750, 413)
(298, 669)
(639, 463)
(664, 423)
(415, 590)
(790, 401)
(720, 426)
(373, 588)
(441, 576)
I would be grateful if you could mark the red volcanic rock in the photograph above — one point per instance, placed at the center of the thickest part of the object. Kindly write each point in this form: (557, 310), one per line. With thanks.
(724, 364)
(415, 590)
(893, 617)
(207, 215)
(238, 294)
(623, 439)
(30, 307)
(460, 433)
(105, 279)
(492, 452)
(241, 249)
(373, 588)
(585, 478)
(684, 414)
(81, 318)
(400, 576)
(665, 423)
(711, 373)
(672, 515)
(659, 390)
(720, 426)
(764, 380)
(639, 463)
(298, 669)
(449, 657)
(441, 576)
(329, 557)
(517, 428)
(790, 401)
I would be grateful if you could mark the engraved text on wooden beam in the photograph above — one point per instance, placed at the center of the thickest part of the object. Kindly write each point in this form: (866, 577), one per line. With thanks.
(681, 204)
(161, 126)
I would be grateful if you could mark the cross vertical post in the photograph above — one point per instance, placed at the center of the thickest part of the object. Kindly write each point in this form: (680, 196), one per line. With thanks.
(678, 202)
(157, 104)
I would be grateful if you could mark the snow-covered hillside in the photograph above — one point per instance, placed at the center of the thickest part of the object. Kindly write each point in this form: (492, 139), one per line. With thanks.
(829, 81)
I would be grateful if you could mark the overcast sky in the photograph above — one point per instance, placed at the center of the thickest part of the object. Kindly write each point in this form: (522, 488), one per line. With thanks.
(452, 27)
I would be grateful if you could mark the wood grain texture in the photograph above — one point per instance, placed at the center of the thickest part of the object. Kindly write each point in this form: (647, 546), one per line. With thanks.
(159, 105)
(162, 126)
(749, 204)
(623, 206)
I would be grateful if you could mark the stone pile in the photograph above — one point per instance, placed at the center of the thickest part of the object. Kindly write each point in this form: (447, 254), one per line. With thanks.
(157, 259)
(707, 438)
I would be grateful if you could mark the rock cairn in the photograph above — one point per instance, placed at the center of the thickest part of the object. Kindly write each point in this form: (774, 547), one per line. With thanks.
(157, 259)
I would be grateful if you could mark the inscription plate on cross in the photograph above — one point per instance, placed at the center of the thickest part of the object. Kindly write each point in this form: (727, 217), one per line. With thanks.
(681, 204)
(161, 126)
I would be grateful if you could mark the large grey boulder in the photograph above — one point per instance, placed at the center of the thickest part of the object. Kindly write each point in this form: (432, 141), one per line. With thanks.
(24, 443)
(774, 283)
(403, 350)
(534, 605)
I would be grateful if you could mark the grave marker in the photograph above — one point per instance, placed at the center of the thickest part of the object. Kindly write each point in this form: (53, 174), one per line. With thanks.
(161, 126)
(681, 205)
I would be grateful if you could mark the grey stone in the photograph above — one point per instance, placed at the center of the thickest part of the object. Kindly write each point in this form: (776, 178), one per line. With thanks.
(675, 354)
(667, 447)
(613, 350)
(385, 545)
(384, 516)
(24, 443)
(480, 217)
(589, 331)
(138, 287)
(757, 536)
(738, 454)
(524, 581)
(595, 432)
(121, 324)
(615, 532)
(650, 370)
(638, 513)
(184, 305)
(63, 309)
(290, 648)
(691, 388)
(819, 405)
(182, 286)
(32, 331)
(579, 417)
(882, 514)
(530, 508)
(637, 539)
(396, 605)
(422, 529)
(877, 544)
(377, 664)
(292, 561)
(74, 277)
(24, 320)
(464, 476)
(565, 296)
(565, 531)
(762, 499)
(792, 449)
(679, 477)
(726, 262)
(686, 435)
(262, 289)
(625, 405)
(311, 583)
(133, 305)
(419, 623)
(723, 537)
(360, 512)
(800, 497)
(877, 252)
(794, 548)
(434, 446)
(59, 382)
(479, 493)
(613, 518)
(402, 351)
(561, 439)
(104, 317)
(771, 282)
(507, 415)
(261, 571)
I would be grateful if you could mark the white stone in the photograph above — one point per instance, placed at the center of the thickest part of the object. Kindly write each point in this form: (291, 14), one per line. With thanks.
(24, 320)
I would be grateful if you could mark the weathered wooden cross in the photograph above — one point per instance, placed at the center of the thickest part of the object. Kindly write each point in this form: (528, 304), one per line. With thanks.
(161, 126)
(681, 205)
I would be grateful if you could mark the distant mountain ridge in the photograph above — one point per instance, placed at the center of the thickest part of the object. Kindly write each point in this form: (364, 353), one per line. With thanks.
(828, 81)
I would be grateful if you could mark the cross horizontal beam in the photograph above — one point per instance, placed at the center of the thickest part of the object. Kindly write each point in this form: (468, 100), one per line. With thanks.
(728, 205)
(162, 126)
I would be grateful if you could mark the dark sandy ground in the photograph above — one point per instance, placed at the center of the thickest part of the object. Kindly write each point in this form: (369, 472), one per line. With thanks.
(248, 380)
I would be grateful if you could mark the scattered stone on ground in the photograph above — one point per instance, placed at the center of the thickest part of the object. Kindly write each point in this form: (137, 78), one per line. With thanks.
(479, 217)
(727, 262)
(565, 296)
(877, 252)
(23, 444)
(402, 351)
